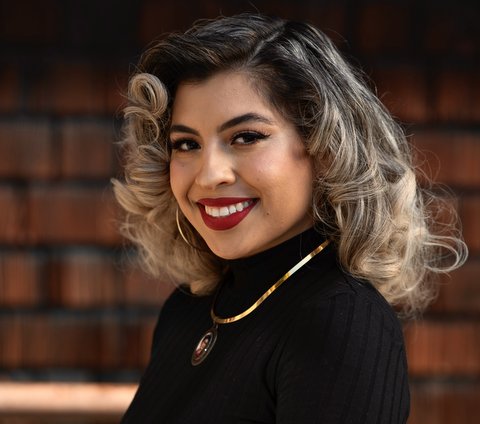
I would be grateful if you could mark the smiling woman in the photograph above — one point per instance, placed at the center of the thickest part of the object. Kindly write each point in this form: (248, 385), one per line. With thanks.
(230, 148)
(272, 186)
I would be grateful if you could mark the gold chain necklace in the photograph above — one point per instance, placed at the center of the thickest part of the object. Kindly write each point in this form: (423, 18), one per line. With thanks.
(206, 343)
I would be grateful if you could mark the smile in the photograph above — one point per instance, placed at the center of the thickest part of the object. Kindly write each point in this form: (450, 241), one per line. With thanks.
(224, 213)
(227, 210)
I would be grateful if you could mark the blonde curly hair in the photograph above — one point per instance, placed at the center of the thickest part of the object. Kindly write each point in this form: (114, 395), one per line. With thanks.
(365, 195)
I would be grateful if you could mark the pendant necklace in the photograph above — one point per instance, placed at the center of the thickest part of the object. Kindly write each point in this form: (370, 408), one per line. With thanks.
(206, 343)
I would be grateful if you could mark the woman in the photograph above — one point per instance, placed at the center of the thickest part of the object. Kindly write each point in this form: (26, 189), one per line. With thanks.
(265, 179)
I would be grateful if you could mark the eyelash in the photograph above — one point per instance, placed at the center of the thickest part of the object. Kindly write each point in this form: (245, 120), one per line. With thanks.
(251, 137)
(177, 144)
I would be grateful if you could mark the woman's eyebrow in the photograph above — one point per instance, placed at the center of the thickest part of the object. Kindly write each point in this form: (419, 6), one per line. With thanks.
(183, 129)
(247, 117)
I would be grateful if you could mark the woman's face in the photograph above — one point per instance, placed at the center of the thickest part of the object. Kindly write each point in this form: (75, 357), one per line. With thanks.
(239, 171)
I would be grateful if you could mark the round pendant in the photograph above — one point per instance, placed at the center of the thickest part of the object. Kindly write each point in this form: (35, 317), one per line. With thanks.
(204, 346)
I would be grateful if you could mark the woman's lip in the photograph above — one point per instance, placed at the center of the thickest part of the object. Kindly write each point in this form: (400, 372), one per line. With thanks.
(222, 223)
(224, 201)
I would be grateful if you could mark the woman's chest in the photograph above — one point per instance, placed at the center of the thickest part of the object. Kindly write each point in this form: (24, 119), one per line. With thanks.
(235, 383)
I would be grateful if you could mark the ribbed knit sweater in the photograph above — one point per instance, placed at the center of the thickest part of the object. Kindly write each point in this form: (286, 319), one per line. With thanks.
(324, 348)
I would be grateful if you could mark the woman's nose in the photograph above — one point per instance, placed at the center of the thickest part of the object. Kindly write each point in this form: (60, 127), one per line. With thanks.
(216, 168)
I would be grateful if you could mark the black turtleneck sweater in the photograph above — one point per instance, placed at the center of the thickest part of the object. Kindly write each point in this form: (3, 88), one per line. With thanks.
(324, 348)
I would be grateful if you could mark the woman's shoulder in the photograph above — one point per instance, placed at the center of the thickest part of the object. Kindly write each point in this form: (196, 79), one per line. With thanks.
(341, 299)
(342, 351)
(343, 324)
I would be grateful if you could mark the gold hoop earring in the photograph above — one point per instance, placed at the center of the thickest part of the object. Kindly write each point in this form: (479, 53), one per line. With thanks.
(180, 229)
(182, 234)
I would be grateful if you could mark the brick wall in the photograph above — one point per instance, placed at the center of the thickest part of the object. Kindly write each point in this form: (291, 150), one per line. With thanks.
(74, 307)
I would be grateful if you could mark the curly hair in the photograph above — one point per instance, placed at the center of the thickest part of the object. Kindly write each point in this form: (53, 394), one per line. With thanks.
(365, 194)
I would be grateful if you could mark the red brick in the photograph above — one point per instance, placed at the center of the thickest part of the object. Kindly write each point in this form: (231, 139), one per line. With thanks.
(328, 16)
(70, 88)
(117, 83)
(86, 279)
(64, 214)
(29, 21)
(460, 292)
(87, 150)
(13, 215)
(444, 403)
(27, 150)
(138, 345)
(10, 89)
(449, 157)
(443, 348)
(20, 280)
(13, 346)
(332, 19)
(83, 280)
(403, 90)
(469, 214)
(452, 29)
(152, 22)
(458, 96)
(141, 289)
(383, 27)
(68, 341)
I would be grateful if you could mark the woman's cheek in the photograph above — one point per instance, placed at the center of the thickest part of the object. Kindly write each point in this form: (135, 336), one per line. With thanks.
(175, 179)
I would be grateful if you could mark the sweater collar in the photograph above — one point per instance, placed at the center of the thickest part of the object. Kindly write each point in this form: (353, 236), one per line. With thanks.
(249, 278)
(264, 268)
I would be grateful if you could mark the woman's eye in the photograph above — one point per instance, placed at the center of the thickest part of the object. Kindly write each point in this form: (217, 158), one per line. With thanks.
(184, 145)
(248, 137)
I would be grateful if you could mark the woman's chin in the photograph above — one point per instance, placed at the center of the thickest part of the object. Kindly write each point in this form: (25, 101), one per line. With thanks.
(227, 253)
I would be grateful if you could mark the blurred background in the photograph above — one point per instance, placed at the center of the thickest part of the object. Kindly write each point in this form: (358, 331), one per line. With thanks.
(76, 313)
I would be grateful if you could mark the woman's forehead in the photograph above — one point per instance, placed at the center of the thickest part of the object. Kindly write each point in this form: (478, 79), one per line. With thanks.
(225, 95)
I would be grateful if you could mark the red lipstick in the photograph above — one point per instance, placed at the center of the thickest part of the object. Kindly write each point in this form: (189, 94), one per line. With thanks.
(222, 223)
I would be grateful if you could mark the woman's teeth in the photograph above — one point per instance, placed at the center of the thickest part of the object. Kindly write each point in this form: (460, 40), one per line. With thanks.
(227, 210)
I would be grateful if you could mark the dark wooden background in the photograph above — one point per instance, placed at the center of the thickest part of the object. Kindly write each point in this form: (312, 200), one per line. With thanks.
(73, 306)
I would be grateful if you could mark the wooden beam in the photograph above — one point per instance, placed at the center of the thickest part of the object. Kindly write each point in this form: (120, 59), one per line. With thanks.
(64, 398)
